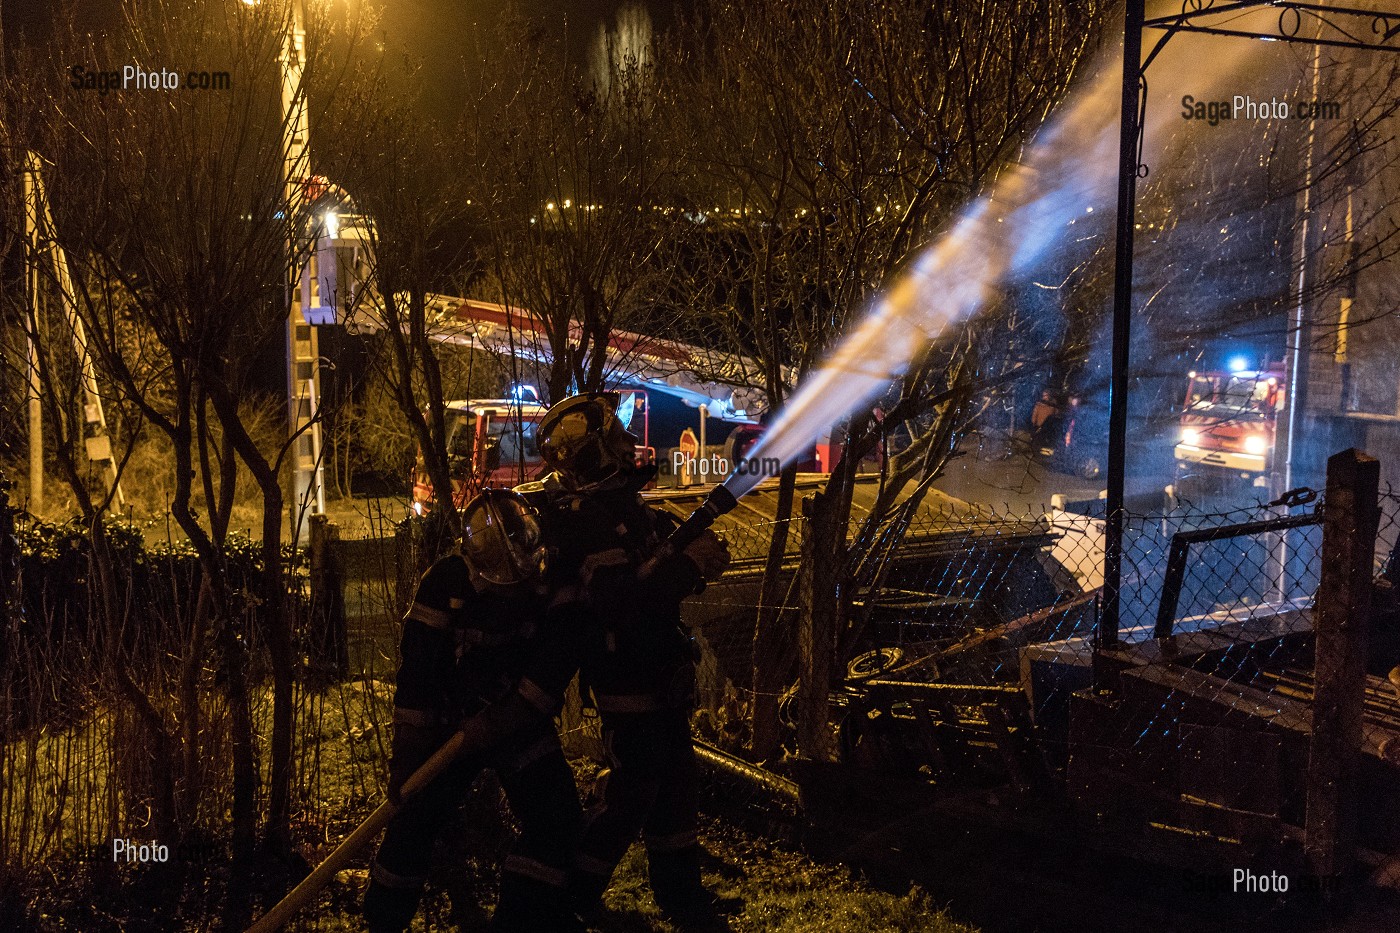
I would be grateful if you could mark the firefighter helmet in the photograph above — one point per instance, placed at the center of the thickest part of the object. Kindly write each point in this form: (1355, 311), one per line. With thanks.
(501, 538)
(583, 438)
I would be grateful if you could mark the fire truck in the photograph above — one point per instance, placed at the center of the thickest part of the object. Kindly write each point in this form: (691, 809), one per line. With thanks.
(1229, 424)
(491, 443)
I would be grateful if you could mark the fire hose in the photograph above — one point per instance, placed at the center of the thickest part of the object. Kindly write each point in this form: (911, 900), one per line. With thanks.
(286, 908)
(719, 502)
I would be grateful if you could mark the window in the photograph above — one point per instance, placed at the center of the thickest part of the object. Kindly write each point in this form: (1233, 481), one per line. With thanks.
(517, 440)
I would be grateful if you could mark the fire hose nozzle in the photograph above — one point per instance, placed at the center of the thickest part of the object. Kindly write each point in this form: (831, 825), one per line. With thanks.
(719, 502)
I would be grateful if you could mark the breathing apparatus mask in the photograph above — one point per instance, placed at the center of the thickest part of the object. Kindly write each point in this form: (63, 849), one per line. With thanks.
(501, 538)
(585, 438)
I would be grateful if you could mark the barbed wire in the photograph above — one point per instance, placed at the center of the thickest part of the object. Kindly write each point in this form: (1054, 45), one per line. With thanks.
(959, 662)
(979, 638)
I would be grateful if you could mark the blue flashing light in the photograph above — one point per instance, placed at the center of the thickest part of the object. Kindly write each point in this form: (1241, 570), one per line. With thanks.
(1238, 364)
(626, 408)
(524, 393)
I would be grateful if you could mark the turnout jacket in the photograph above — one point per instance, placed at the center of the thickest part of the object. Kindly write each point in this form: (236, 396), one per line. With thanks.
(624, 632)
(631, 640)
(462, 649)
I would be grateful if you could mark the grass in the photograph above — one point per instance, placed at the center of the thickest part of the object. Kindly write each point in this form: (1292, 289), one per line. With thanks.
(777, 889)
(781, 891)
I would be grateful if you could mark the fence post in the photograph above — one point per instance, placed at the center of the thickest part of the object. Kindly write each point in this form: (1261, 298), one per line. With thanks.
(818, 629)
(330, 651)
(1341, 619)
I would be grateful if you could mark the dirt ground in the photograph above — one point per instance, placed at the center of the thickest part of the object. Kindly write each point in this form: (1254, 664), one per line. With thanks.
(1013, 869)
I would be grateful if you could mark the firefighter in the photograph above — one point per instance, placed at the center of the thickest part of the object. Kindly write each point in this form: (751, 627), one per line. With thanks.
(466, 641)
(639, 663)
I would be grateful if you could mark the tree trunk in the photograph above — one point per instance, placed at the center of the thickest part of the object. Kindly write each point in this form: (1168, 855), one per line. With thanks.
(190, 716)
(273, 617)
(158, 750)
(329, 649)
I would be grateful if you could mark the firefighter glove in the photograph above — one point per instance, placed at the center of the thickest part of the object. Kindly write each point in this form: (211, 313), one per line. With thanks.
(709, 553)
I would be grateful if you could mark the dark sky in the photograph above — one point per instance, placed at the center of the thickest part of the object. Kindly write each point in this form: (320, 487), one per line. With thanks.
(434, 31)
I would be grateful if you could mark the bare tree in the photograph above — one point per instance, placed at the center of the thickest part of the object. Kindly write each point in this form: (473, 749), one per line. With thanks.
(570, 175)
(836, 138)
(406, 179)
(182, 231)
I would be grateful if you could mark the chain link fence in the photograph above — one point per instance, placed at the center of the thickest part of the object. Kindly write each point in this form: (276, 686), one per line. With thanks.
(966, 590)
(1388, 536)
(967, 660)
(964, 659)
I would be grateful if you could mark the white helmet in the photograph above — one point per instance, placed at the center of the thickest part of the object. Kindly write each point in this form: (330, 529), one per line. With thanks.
(501, 538)
(583, 438)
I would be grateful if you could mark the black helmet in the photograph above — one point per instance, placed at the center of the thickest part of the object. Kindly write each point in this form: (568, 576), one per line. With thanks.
(583, 438)
(501, 538)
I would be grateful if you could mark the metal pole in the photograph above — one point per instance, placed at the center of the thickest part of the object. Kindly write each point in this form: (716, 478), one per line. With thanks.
(303, 352)
(36, 434)
(704, 450)
(36, 411)
(1295, 373)
(1297, 361)
(1107, 633)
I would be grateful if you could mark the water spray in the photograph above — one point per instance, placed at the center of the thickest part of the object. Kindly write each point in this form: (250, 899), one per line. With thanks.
(992, 237)
(997, 239)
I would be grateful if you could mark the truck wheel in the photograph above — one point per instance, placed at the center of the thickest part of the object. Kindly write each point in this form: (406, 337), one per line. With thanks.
(1190, 488)
(873, 663)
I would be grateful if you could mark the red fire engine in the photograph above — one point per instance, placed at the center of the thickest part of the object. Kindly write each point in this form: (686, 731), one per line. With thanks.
(1228, 425)
(491, 443)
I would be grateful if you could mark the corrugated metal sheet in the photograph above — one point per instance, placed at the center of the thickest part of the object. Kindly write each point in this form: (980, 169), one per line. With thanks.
(942, 524)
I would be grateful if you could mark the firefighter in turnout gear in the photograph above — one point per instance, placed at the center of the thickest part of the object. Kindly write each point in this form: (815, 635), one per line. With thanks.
(467, 642)
(639, 661)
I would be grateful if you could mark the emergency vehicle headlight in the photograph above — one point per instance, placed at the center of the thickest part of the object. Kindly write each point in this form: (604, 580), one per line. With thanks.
(1190, 437)
(1256, 444)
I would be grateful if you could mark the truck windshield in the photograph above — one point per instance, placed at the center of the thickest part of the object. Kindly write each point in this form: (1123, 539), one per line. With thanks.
(517, 439)
(461, 434)
(1238, 396)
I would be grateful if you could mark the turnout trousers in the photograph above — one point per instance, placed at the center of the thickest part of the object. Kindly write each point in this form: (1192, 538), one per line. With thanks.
(652, 789)
(540, 786)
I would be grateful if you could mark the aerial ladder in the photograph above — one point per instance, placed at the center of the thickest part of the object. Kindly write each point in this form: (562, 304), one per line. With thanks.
(42, 250)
